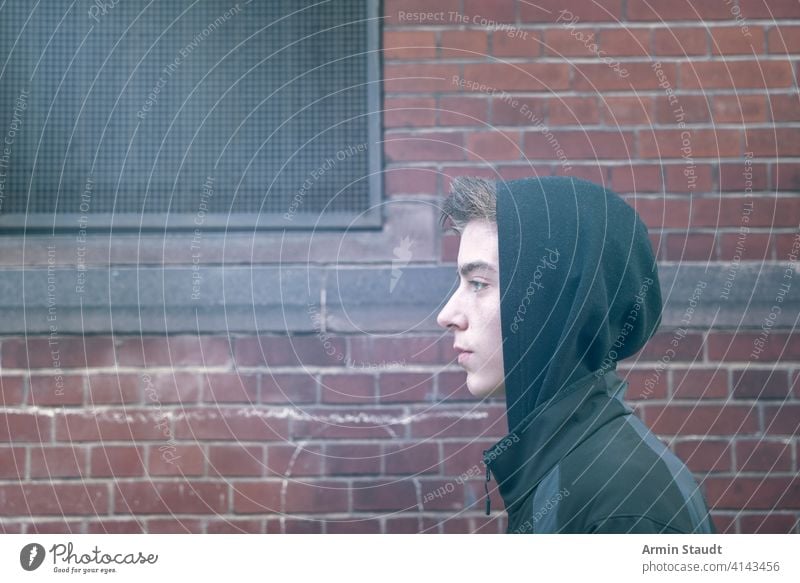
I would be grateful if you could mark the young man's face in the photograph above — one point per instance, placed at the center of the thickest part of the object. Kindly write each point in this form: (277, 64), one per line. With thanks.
(473, 311)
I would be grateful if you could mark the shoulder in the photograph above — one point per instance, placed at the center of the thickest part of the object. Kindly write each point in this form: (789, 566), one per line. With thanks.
(631, 524)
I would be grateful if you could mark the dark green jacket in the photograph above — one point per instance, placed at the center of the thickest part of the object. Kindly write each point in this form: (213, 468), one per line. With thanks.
(580, 291)
(586, 464)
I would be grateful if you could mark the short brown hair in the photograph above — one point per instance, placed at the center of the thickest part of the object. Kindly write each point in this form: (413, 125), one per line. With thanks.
(470, 198)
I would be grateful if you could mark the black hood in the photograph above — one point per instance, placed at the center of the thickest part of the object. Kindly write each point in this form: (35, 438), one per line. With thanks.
(579, 286)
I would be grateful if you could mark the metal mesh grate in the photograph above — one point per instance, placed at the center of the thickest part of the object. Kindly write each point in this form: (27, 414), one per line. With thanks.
(141, 108)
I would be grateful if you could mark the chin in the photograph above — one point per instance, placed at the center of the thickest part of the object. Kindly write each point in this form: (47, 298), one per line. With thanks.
(482, 391)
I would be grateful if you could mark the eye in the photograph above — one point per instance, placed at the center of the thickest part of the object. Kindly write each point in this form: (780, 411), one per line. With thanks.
(480, 283)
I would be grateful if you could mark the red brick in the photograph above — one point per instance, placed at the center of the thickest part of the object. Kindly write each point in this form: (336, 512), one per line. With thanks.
(357, 423)
(705, 455)
(779, 142)
(784, 39)
(493, 145)
(625, 42)
(723, 523)
(690, 247)
(174, 351)
(398, 350)
(408, 44)
(661, 213)
(401, 12)
(678, 178)
(289, 351)
(419, 78)
(550, 11)
(464, 459)
(258, 424)
(11, 390)
(117, 461)
(55, 527)
(645, 384)
(700, 384)
(171, 387)
(53, 499)
(294, 526)
(724, 346)
(412, 525)
(463, 111)
(760, 384)
(353, 526)
(229, 526)
(760, 455)
(409, 112)
(12, 463)
(488, 10)
(769, 523)
(67, 352)
(573, 111)
(589, 145)
(562, 43)
(519, 77)
(400, 180)
(669, 41)
(755, 9)
(287, 460)
(659, 346)
(735, 74)
(412, 458)
(353, 458)
(176, 460)
(767, 212)
(483, 422)
(599, 77)
(58, 462)
(702, 143)
(18, 426)
(453, 387)
(517, 43)
(464, 44)
(109, 389)
(739, 108)
(701, 419)
(348, 388)
(229, 388)
(153, 497)
(56, 389)
(782, 419)
(785, 107)
(786, 176)
(638, 178)
(283, 496)
(288, 388)
(174, 526)
(596, 172)
(405, 387)
(730, 40)
(627, 110)
(519, 111)
(115, 527)
(732, 176)
(396, 495)
(235, 460)
(659, 10)
(423, 147)
(767, 493)
(683, 108)
(112, 424)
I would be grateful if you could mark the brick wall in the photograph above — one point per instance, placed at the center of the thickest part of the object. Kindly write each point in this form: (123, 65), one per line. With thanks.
(688, 110)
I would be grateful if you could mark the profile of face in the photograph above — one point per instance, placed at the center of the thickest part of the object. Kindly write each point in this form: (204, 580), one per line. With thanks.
(473, 311)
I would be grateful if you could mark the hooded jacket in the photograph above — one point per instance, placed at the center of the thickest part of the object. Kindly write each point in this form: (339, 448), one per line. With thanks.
(579, 292)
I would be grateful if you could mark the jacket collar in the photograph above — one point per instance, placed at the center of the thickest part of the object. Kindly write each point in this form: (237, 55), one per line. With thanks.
(522, 458)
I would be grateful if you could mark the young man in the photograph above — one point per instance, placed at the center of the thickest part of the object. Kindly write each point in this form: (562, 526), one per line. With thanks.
(558, 282)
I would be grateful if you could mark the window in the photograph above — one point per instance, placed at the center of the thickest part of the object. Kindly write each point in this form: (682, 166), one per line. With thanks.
(132, 115)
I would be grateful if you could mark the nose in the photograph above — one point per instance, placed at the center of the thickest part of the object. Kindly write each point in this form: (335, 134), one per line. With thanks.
(451, 315)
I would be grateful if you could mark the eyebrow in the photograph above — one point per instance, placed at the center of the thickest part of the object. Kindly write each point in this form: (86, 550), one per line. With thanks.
(468, 268)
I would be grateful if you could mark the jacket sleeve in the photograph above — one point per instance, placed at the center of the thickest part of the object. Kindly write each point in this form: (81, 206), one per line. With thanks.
(629, 525)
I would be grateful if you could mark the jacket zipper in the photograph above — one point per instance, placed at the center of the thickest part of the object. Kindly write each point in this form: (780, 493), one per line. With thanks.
(486, 488)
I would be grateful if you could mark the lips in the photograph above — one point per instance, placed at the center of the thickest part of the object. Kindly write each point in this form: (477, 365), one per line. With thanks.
(463, 356)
